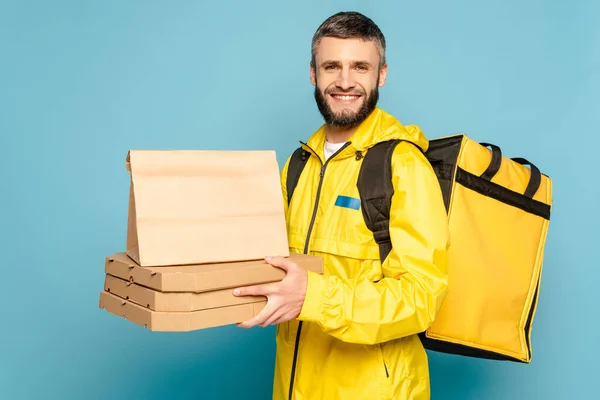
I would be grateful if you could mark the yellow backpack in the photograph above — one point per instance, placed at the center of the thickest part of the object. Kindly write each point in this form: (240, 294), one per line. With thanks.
(499, 211)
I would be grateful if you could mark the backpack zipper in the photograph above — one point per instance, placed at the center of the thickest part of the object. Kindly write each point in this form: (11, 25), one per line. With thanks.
(306, 245)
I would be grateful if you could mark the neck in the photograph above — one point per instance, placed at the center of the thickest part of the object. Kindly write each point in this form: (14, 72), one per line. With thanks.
(338, 134)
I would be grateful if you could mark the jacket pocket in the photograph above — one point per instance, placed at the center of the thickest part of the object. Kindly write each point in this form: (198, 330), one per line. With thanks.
(383, 363)
(384, 373)
(355, 250)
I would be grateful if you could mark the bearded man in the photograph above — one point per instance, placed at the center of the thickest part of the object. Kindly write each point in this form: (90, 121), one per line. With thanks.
(352, 332)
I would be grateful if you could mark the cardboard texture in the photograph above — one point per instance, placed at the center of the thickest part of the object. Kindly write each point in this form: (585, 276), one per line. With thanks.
(178, 321)
(202, 206)
(188, 297)
(204, 277)
(160, 301)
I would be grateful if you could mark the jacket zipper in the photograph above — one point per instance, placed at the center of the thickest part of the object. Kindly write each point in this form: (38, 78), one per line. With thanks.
(306, 245)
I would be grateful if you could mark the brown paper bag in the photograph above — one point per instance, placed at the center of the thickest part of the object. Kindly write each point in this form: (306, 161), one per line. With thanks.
(194, 207)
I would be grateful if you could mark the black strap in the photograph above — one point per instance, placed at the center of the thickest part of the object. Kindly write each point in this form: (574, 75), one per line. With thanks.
(295, 167)
(494, 166)
(376, 189)
(535, 179)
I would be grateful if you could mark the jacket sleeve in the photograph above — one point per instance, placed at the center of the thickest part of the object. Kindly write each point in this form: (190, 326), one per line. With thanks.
(405, 301)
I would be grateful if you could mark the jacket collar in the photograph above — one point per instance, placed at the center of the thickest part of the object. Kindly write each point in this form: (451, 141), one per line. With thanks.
(378, 127)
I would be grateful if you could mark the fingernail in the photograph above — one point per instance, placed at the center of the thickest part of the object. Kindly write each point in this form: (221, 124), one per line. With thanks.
(236, 292)
(268, 258)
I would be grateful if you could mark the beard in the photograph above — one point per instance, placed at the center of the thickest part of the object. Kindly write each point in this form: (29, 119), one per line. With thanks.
(346, 118)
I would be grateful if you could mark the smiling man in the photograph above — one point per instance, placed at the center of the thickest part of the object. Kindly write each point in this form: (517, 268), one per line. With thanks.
(351, 333)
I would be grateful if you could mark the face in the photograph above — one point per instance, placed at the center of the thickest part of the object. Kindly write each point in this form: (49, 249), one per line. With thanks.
(346, 76)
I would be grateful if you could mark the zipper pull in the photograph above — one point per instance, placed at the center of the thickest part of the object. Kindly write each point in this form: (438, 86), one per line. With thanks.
(322, 171)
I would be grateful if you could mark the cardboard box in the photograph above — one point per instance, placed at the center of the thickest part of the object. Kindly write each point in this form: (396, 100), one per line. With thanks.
(202, 206)
(204, 277)
(161, 301)
(178, 321)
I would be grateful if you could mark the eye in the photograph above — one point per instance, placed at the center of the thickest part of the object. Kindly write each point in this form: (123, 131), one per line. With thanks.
(362, 67)
(330, 67)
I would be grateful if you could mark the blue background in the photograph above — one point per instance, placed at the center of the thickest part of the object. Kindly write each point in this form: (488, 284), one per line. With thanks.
(83, 82)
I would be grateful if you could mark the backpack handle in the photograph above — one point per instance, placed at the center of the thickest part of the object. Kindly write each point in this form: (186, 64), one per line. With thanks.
(534, 181)
(494, 166)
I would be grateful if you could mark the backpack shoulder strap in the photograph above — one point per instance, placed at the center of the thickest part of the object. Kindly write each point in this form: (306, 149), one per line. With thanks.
(375, 189)
(295, 167)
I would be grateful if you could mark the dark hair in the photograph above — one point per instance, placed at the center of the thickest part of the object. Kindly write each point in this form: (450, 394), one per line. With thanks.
(349, 25)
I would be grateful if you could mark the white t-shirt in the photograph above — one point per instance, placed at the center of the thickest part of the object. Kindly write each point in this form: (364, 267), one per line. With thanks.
(331, 148)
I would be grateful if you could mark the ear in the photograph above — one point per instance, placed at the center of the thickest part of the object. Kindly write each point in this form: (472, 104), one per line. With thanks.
(313, 74)
(383, 75)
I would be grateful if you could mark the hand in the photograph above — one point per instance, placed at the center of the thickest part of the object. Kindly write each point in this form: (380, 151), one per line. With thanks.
(285, 298)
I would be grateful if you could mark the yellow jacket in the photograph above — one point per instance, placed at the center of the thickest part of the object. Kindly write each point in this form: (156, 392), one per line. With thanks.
(355, 337)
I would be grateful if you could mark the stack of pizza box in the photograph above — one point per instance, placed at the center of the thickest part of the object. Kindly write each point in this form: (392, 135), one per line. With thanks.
(200, 223)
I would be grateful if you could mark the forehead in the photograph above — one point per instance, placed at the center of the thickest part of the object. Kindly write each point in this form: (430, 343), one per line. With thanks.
(346, 50)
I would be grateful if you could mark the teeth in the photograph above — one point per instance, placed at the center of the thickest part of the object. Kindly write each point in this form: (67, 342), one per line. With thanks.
(345, 97)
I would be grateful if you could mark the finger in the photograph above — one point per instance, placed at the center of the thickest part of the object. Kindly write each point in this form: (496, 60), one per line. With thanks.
(259, 318)
(271, 320)
(280, 262)
(258, 290)
(285, 317)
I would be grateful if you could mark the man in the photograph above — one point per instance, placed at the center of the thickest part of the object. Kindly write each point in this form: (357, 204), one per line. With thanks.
(351, 332)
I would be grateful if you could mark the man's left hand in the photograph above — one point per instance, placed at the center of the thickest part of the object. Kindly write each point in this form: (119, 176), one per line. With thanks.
(285, 298)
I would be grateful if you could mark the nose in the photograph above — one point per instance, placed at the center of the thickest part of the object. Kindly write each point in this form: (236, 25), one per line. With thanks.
(344, 79)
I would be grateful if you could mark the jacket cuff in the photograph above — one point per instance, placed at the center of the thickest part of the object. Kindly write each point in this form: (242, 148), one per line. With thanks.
(315, 290)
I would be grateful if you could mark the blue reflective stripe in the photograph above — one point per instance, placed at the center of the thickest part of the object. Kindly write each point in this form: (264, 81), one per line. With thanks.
(348, 202)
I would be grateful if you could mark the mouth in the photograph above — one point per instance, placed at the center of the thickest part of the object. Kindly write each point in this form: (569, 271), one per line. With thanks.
(345, 98)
